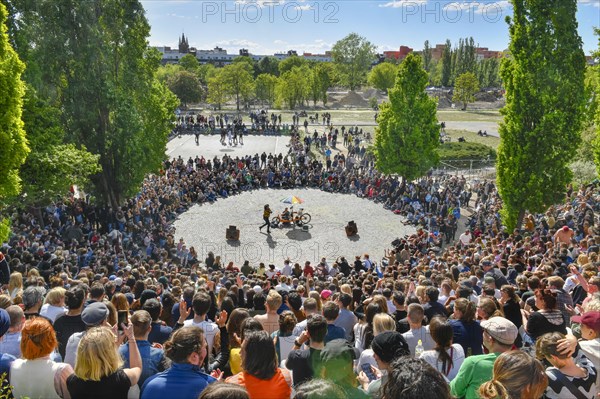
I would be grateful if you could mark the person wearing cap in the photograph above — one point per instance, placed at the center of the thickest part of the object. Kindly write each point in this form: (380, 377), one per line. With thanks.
(94, 315)
(590, 343)
(499, 335)
(337, 359)
(490, 271)
(387, 347)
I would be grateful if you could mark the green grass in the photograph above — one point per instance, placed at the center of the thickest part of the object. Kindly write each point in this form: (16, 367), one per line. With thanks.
(466, 151)
(471, 137)
(469, 116)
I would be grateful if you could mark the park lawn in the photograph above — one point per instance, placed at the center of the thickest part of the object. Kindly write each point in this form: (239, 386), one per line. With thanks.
(472, 137)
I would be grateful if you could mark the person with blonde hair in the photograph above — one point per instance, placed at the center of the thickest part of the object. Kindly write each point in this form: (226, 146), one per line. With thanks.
(516, 375)
(15, 287)
(382, 322)
(487, 308)
(270, 320)
(38, 341)
(54, 305)
(98, 369)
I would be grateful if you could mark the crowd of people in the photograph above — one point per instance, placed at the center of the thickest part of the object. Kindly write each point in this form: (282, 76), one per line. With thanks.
(101, 302)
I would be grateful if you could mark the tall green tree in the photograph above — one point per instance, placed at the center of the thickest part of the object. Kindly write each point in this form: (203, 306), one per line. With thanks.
(264, 87)
(320, 81)
(190, 63)
(465, 87)
(217, 94)
(186, 86)
(291, 62)
(268, 65)
(353, 56)
(52, 167)
(292, 87)
(14, 149)
(407, 134)
(382, 76)
(94, 57)
(593, 96)
(427, 56)
(542, 121)
(238, 81)
(446, 64)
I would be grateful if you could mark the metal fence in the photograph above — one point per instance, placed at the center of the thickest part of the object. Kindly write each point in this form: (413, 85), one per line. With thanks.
(482, 168)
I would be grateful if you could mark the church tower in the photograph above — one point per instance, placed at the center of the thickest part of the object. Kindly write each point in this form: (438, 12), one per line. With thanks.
(184, 46)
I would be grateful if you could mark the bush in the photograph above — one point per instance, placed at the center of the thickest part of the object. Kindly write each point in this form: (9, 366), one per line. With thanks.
(466, 150)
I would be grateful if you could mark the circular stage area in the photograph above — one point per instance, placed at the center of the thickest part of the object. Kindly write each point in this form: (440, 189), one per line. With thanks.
(203, 227)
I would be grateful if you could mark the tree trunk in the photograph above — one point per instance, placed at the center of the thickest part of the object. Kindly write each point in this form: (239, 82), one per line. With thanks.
(520, 219)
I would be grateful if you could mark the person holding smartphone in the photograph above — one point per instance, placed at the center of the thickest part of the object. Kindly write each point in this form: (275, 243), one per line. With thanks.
(387, 347)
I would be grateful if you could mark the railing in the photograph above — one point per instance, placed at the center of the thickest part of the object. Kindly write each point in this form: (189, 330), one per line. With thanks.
(484, 168)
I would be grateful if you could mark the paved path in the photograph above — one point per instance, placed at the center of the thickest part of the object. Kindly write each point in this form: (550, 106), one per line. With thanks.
(209, 146)
(203, 226)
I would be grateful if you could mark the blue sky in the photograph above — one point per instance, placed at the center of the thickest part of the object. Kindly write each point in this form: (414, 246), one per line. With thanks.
(269, 26)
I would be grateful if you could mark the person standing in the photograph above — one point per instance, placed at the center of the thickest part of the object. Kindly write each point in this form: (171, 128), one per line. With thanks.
(266, 214)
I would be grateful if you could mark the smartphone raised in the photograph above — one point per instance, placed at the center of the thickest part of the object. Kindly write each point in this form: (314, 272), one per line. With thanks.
(366, 367)
(122, 318)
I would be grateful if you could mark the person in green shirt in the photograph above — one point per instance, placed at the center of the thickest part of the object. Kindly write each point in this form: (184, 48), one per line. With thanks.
(499, 335)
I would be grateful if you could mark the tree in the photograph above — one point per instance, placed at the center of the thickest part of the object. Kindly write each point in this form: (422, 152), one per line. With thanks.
(408, 133)
(465, 87)
(186, 86)
(427, 56)
(96, 63)
(268, 65)
(166, 72)
(189, 62)
(52, 167)
(204, 72)
(291, 62)
(542, 121)
(593, 95)
(292, 87)
(264, 86)
(14, 149)
(446, 64)
(353, 55)
(382, 76)
(320, 82)
(238, 81)
(217, 94)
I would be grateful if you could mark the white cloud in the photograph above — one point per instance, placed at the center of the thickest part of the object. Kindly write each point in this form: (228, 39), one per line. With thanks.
(237, 43)
(306, 7)
(403, 3)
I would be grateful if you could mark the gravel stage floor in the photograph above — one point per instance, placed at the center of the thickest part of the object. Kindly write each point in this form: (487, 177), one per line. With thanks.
(203, 226)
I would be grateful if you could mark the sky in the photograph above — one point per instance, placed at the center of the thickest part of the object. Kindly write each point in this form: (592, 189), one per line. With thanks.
(265, 27)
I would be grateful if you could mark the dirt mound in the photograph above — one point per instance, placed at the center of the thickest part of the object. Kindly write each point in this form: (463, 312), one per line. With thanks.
(379, 95)
(485, 97)
(353, 99)
(444, 102)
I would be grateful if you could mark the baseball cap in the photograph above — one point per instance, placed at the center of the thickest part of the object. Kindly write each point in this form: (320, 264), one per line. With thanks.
(325, 294)
(94, 314)
(118, 281)
(390, 345)
(589, 319)
(501, 329)
(338, 349)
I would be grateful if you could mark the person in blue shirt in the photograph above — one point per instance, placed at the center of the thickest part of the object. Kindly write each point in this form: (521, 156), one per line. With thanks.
(331, 312)
(153, 359)
(187, 350)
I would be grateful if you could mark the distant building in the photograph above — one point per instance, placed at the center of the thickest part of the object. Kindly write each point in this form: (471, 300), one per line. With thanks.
(481, 53)
(399, 55)
(184, 46)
